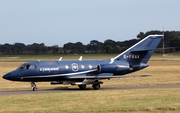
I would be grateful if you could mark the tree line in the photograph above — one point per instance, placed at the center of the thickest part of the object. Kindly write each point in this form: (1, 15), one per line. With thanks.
(172, 39)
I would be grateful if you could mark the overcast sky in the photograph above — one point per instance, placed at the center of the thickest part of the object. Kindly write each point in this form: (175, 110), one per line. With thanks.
(56, 22)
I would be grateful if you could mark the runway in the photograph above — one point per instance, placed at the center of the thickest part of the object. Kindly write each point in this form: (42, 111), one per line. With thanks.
(60, 90)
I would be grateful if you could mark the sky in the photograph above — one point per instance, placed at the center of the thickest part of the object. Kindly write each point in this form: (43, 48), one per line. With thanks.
(57, 22)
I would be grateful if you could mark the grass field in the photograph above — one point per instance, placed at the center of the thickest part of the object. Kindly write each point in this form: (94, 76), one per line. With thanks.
(165, 70)
(104, 101)
(26, 58)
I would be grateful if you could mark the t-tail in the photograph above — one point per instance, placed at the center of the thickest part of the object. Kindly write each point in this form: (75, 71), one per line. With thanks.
(141, 51)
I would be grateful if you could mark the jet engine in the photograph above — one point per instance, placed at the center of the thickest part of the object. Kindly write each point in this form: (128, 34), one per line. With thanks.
(112, 68)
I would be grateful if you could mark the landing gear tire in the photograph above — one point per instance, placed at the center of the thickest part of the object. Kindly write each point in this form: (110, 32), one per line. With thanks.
(96, 86)
(82, 87)
(33, 86)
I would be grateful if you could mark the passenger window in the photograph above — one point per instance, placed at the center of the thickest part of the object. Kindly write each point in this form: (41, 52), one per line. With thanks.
(90, 66)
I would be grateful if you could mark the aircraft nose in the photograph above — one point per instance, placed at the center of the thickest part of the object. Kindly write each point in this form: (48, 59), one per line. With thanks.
(11, 76)
(7, 76)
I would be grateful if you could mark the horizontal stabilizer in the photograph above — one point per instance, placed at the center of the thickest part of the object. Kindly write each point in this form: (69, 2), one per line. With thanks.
(154, 49)
(165, 48)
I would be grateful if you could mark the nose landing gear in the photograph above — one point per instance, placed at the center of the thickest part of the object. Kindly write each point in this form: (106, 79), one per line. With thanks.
(82, 87)
(33, 86)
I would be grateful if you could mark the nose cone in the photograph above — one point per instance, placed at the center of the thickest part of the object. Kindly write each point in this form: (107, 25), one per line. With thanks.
(7, 76)
(11, 76)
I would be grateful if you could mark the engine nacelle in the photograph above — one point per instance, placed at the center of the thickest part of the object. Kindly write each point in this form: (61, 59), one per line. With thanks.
(112, 68)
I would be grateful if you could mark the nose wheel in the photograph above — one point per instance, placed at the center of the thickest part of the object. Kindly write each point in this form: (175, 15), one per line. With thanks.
(82, 87)
(33, 86)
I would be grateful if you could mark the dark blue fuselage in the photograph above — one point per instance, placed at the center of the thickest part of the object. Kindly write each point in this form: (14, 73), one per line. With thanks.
(62, 70)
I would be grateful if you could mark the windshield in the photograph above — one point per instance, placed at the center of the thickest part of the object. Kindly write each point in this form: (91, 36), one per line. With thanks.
(26, 67)
(21, 67)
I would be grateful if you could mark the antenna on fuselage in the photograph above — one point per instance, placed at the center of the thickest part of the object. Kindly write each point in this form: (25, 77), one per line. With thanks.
(80, 58)
(112, 60)
(60, 59)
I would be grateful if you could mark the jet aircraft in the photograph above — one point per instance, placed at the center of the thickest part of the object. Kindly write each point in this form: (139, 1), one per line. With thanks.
(88, 72)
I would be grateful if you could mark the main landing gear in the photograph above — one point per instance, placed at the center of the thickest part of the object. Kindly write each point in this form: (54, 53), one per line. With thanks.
(95, 86)
(33, 86)
(82, 85)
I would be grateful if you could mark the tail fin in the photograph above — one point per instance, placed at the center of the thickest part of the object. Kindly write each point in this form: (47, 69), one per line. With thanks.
(141, 51)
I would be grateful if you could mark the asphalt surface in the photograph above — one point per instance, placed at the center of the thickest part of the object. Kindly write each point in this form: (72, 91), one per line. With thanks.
(60, 90)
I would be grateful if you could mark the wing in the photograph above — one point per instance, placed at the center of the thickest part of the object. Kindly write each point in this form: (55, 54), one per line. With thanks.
(104, 76)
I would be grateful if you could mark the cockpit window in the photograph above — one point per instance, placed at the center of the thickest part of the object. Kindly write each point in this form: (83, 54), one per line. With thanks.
(27, 67)
(32, 67)
(21, 67)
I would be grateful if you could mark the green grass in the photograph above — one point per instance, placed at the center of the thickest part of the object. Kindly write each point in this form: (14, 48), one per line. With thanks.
(168, 56)
(134, 100)
(26, 58)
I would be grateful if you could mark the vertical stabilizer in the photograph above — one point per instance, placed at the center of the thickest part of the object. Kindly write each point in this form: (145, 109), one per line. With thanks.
(141, 51)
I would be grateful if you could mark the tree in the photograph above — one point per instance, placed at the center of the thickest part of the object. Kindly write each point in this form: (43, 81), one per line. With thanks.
(77, 47)
(175, 43)
(117, 49)
(108, 49)
(141, 35)
(95, 46)
(55, 48)
(36, 48)
(110, 42)
(20, 47)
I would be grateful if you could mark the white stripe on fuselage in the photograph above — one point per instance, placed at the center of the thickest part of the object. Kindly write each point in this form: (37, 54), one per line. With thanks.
(67, 74)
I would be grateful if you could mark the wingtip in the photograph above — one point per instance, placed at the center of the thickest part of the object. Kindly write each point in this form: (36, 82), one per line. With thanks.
(145, 75)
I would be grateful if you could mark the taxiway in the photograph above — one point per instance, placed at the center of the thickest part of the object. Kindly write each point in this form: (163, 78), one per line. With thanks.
(60, 90)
